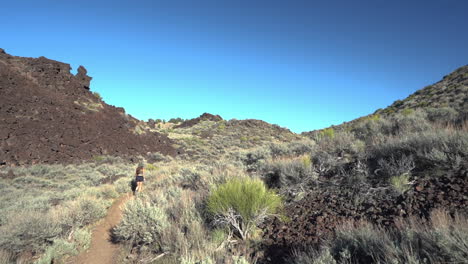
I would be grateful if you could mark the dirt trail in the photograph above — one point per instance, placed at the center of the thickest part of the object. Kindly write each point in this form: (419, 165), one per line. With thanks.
(102, 250)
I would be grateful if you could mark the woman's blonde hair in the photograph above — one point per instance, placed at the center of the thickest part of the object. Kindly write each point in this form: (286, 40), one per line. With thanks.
(139, 169)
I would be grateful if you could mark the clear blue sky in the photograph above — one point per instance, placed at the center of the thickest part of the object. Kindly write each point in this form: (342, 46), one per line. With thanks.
(299, 64)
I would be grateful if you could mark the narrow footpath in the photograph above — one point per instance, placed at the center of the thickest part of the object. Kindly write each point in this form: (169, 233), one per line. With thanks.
(102, 250)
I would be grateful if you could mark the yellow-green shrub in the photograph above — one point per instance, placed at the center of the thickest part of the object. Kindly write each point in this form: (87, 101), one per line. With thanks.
(242, 204)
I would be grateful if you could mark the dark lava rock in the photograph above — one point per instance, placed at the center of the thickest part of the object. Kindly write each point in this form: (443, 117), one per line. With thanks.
(48, 115)
(83, 77)
(203, 117)
(316, 216)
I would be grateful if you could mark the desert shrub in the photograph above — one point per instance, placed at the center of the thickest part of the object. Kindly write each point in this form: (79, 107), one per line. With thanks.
(401, 182)
(157, 157)
(295, 148)
(29, 230)
(186, 231)
(218, 236)
(97, 95)
(6, 257)
(407, 111)
(83, 211)
(142, 223)
(253, 159)
(444, 239)
(395, 166)
(362, 244)
(242, 204)
(108, 192)
(369, 129)
(327, 133)
(341, 143)
(409, 123)
(123, 185)
(442, 114)
(190, 179)
(421, 145)
(82, 238)
(325, 163)
(56, 251)
(437, 156)
(312, 256)
(279, 173)
(176, 120)
(151, 167)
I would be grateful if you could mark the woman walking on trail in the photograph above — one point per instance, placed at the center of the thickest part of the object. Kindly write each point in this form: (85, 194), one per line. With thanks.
(139, 178)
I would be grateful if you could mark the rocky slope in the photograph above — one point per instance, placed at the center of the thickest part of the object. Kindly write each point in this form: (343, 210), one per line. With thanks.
(48, 115)
(326, 207)
(449, 95)
(451, 91)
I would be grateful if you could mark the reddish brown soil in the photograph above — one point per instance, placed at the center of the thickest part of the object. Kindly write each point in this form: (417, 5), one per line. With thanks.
(316, 216)
(102, 250)
(48, 115)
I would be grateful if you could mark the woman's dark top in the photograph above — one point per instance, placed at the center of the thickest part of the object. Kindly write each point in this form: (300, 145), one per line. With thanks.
(140, 178)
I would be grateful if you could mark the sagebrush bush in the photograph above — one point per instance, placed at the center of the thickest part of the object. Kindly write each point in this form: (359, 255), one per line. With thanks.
(242, 204)
(84, 211)
(444, 239)
(56, 251)
(255, 158)
(142, 223)
(108, 192)
(295, 148)
(285, 172)
(395, 166)
(341, 143)
(363, 244)
(442, 114)
(82, 238)
(312, 256)
(421, 145)
(29, 230)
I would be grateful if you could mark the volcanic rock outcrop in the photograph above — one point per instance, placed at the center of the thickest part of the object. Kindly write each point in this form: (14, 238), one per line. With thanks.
(320, 212)
(48, 115)
(203, 117)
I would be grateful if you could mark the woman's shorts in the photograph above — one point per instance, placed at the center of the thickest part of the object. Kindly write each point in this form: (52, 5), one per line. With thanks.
(140, 179)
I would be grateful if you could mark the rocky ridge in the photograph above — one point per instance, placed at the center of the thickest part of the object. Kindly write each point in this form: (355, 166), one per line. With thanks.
(48, 115)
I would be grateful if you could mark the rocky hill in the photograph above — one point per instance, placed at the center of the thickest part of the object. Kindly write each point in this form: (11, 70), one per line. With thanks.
(48, 115)
(451, 91)
(446, 100)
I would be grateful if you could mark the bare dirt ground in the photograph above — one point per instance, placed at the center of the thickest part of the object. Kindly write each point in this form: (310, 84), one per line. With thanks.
(102, 250)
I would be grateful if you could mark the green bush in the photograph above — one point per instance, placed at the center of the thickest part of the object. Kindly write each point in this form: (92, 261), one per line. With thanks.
(97, 95)
(242, 204)
(312, 256)
(30, 230)
(327, 133)
(447, 144)
(287, 172)
(82, 238)
(364, 244)
(56, 251)
(395, 166)
(443, 239)
(442, 114)
(84, 211)
(401, 182)
(142, 223)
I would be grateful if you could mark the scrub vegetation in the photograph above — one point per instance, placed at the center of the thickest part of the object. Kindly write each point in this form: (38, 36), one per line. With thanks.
(242, 192)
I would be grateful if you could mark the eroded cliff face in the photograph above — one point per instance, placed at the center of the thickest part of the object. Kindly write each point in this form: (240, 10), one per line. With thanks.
(48, 115)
